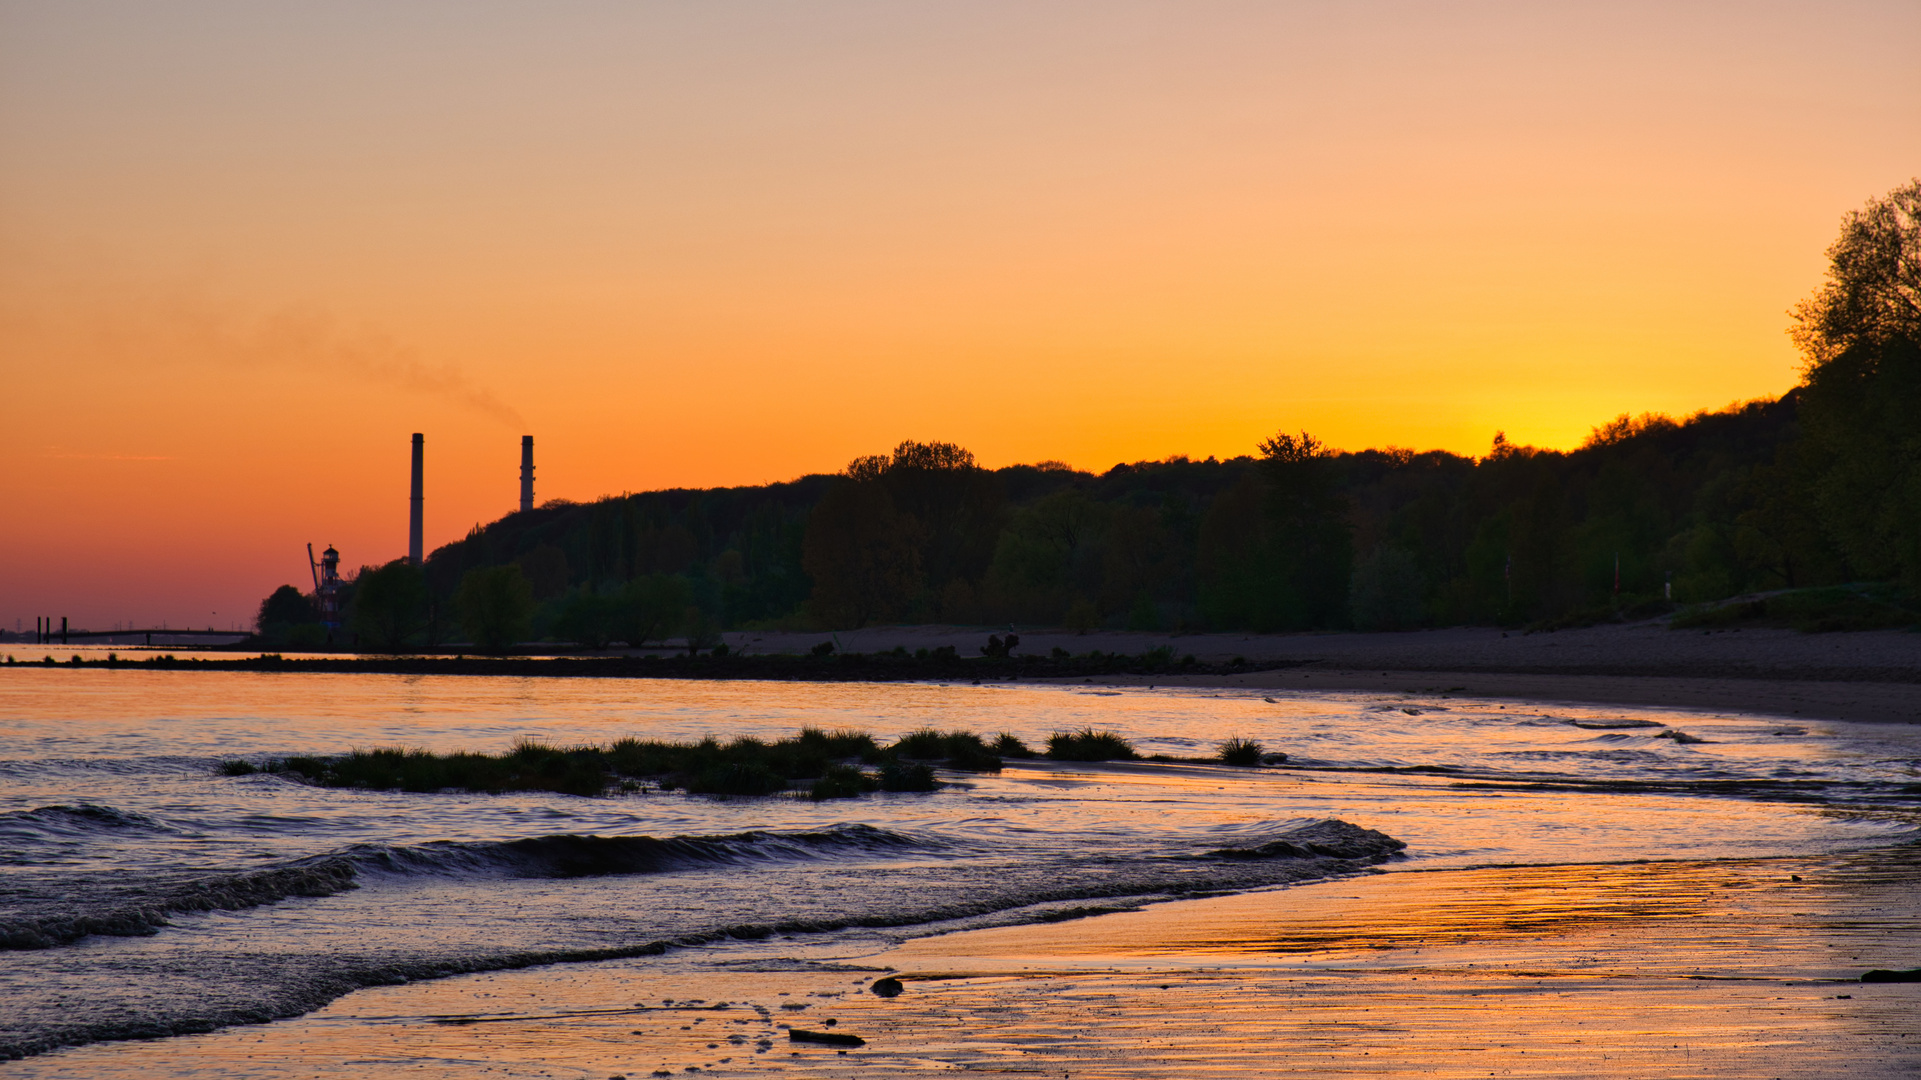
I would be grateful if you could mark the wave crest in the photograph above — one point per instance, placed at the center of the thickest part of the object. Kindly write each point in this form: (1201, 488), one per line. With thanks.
(142, 911)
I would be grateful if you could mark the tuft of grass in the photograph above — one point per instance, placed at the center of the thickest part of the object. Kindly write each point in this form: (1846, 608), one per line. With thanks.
(1239, 751)
(737, 778)
(842, 782)
(956, 749)
(1007, 745)
(913, 776)
(1089, 745)
(744, 766)
(825, 764)
(527, 767)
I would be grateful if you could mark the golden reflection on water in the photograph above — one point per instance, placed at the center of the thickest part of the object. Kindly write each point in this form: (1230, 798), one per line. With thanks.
(1709, 969)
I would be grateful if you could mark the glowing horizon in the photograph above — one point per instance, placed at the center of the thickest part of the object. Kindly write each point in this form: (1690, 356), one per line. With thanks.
(245, 252)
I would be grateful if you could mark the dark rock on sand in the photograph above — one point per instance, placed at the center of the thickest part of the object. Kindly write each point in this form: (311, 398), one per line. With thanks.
(829, 1038)
(1884, 975)
(887, 988)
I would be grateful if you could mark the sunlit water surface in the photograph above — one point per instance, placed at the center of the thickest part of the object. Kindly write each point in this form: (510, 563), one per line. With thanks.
(110, 799)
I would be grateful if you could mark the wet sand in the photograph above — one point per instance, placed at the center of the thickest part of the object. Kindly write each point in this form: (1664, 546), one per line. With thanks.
(1691, 969)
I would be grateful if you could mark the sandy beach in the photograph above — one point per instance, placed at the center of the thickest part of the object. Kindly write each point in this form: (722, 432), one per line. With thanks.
(1867, 676)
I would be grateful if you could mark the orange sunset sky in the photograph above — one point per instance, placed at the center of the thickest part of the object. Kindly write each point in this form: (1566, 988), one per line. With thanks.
(246, 249)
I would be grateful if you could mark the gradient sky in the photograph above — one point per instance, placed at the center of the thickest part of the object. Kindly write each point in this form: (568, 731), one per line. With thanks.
(246, 249)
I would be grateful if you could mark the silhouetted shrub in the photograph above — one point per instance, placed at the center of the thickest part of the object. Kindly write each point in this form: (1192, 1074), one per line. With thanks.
(996, 648)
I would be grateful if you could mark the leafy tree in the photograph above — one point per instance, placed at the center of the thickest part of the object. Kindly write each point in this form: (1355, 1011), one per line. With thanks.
(545, 568)
(1861, 334)
(645, 609)
(1049, 556)
(1308, 515)
(653, 607)
(863, 553)
(1276, 548)
(390, 606)
(495, 606)
(285, 607)
(955, 504)
(1386, 591)
(590, 618)
(1241, 584)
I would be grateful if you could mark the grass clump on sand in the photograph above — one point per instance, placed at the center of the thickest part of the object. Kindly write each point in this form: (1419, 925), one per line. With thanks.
(528, 766)
(913, 776)
(842, 782)
(1239, 751)
(1089, 745)
(826, 765)
(1008, 745)
(958, 749)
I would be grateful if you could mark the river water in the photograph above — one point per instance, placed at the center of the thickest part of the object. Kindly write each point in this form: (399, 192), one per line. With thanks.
(144, 894)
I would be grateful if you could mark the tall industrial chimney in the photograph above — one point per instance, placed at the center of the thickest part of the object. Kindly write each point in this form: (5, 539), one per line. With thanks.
(413, 513)
(526, 473)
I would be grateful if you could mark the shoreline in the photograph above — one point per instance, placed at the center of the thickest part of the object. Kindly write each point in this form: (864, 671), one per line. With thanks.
(1731, 967)
(1863, 677)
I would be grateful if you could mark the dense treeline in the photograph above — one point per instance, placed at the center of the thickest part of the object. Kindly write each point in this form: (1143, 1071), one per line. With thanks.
(1820, 487)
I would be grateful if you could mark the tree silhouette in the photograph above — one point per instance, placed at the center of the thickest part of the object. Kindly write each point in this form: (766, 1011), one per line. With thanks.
(1861, 334)
(495, 606)
(286, 607)
(863, 554)
(390, 606)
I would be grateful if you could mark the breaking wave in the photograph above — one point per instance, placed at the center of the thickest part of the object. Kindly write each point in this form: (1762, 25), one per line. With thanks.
(67, 821)
(142, 910)
(897, 888)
